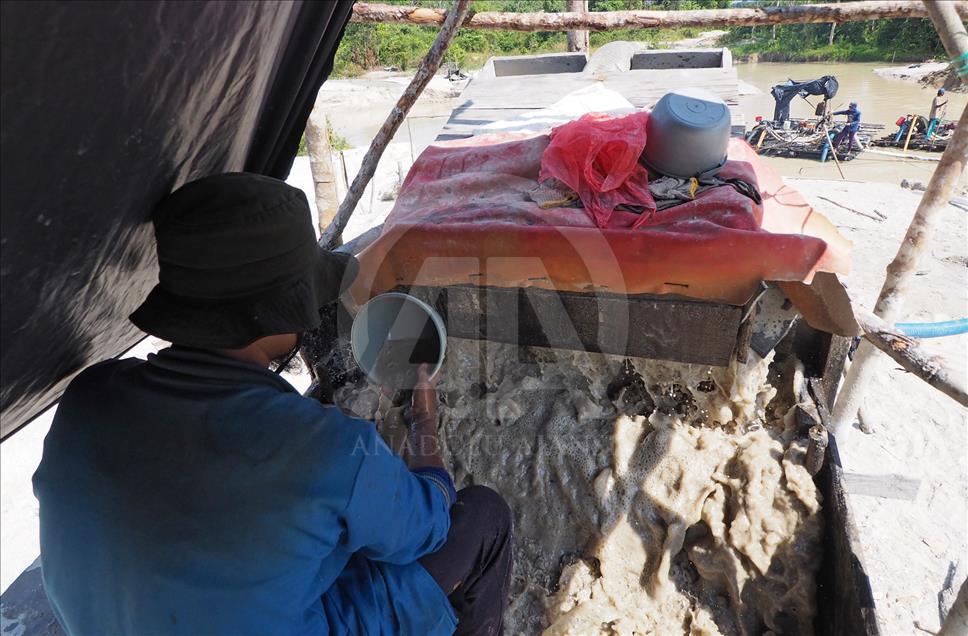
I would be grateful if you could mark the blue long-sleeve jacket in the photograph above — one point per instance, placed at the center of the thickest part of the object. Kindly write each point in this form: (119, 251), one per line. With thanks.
(853, 118)
(193, 494)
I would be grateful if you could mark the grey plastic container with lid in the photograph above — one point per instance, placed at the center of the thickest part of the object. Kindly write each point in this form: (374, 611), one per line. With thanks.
(687, 134)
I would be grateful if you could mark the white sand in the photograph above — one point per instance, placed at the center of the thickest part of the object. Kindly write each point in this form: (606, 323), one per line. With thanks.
(913, 549)
(911, 72)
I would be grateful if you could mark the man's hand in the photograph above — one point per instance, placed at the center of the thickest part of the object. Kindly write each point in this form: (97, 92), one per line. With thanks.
(425, 396)
(423, 446)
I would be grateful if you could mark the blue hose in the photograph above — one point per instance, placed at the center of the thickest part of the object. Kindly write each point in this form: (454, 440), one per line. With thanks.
(933, 329)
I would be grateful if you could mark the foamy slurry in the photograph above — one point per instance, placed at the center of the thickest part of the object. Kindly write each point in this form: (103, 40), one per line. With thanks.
(697, 519)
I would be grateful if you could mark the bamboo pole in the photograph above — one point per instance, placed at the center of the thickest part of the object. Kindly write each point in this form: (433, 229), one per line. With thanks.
(428, 68)
(907, 140)
(904, 266)
(833, 151)
(759, 144)
(606, 20)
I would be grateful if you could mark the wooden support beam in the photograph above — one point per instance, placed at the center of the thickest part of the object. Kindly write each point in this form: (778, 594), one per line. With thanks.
(907, 352)
(954, 36)
(956, 623)
(577, 40)
(428, 68)
(901, 271)
(605, 20)
(321, 167)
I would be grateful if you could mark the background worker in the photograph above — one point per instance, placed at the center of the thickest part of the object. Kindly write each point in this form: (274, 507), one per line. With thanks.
(939, 106)
(197, 492)
(850, 128)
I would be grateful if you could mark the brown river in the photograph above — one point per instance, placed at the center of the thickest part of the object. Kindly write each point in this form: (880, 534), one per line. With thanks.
(358, 107)
(881, 101)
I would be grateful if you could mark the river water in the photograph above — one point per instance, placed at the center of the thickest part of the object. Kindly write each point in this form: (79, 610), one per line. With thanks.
(357, 109)
(881, 101)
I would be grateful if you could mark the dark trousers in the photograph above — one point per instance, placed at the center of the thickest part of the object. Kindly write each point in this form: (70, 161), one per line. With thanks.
(839, 139)
(474, 566)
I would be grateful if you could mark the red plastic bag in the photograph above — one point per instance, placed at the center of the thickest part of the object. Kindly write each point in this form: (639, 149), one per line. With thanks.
(597, 156)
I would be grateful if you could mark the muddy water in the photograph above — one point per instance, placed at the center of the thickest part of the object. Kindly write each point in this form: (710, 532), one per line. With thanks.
(357, 117)
(881, 101)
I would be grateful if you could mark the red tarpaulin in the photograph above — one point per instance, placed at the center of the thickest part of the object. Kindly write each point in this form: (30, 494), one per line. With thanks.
(463, 216)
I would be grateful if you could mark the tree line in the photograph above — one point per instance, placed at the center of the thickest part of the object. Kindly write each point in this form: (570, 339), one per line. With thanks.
(402, 46)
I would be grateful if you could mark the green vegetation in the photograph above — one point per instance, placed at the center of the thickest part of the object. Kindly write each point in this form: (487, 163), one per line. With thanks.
(337, 142)
(873, 41)
(369, 46)
(403, 46)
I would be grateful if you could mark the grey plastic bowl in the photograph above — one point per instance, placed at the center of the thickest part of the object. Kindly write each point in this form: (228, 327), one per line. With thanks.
(687, 134)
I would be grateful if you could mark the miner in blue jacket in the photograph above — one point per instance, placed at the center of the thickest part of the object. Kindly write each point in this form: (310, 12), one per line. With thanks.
(198, 493)
(850, 128)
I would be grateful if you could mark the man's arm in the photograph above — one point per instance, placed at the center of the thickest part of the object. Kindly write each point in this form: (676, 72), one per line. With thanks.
(423, 447)
(398, 513)
(395, 514)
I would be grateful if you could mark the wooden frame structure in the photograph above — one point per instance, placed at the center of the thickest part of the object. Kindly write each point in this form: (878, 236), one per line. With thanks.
(364, 12)
(948, 18)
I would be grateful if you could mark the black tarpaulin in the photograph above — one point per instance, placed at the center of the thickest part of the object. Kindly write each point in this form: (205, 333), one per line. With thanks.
(106, 107)
(783, 94)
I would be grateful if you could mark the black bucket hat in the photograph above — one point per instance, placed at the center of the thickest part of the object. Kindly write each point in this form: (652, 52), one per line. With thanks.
(238, 260)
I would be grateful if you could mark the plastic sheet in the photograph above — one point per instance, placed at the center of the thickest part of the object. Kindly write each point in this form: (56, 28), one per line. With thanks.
(597, 156)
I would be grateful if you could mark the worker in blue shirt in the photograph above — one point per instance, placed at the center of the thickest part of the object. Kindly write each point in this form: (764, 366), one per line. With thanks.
(198, 493)
(850, 128)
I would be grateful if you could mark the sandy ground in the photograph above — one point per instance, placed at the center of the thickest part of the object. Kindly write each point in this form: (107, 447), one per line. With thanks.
(914, 526)
(705, 39)
(911, 72)
(356, 108)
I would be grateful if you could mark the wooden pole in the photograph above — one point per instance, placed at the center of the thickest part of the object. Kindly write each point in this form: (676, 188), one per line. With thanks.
(904, 266)
(833, 29)
(956, 623)
(907, 140)
(428, 68)
(900, 273)
(954, 35)
(321, 167)
(833, 151)
(907, 352)
(606, 20)
(577, 40)
(816, 448)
